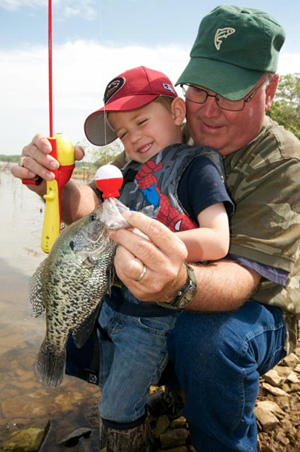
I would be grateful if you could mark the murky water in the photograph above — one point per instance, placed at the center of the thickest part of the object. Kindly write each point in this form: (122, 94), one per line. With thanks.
(23, 401)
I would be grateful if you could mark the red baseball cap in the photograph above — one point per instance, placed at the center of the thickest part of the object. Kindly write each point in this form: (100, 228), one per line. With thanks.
(130, 90)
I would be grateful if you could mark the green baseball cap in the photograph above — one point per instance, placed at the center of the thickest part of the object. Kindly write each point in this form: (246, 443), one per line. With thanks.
(233, 49)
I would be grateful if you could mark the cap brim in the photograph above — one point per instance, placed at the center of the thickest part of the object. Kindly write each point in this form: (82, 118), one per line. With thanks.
(96, 127)
(229, 81)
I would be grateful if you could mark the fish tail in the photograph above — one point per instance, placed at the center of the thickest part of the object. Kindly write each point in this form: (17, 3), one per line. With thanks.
(50, 365)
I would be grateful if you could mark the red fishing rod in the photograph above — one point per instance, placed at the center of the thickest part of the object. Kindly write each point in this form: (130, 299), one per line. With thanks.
(63, 151)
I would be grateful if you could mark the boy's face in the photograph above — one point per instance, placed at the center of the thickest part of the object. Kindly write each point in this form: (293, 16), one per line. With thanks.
(146, 131)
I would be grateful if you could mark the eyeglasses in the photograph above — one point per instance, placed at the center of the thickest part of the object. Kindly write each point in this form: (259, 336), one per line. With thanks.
(199, 96)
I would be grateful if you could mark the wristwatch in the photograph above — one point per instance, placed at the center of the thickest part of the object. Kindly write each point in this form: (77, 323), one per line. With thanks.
(186, 294)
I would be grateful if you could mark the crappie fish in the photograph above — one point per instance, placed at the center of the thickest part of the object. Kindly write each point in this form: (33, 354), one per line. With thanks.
(70, 283)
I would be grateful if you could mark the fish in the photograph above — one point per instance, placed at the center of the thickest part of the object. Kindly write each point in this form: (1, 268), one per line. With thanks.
(70, 284)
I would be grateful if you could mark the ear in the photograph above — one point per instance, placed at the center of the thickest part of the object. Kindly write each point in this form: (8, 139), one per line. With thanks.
(178, 110)
(271, 91)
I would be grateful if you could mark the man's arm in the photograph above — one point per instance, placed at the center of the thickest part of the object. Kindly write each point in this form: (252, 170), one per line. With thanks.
(221, 286)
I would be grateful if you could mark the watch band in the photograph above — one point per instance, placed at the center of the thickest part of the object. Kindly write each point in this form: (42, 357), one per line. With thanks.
(186, 293)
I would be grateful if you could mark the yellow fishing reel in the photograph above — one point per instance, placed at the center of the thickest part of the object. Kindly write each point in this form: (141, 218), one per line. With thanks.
(63, 152)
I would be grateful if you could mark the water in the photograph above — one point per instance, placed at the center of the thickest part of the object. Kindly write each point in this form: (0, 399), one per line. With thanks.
(23, 401)
(20, 225)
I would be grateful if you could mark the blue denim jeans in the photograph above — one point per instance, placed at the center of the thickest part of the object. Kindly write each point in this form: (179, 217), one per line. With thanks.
(218, 359)
(133, 354)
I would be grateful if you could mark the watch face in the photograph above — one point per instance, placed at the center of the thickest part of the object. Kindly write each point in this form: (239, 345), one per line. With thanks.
(188, 296)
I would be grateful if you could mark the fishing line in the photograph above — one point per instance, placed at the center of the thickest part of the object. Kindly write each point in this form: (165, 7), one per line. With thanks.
(101, 71)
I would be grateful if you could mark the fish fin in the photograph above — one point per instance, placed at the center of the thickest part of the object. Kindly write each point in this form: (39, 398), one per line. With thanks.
(111, 273)
(50, 365)
(36, 292)
(83, 332)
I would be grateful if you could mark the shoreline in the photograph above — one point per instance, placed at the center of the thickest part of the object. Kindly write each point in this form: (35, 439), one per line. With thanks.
(78, 174)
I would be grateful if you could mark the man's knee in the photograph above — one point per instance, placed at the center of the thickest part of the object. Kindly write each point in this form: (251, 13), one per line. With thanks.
(196, 335)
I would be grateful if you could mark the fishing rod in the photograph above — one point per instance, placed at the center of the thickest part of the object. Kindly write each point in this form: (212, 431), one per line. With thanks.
(63, 152)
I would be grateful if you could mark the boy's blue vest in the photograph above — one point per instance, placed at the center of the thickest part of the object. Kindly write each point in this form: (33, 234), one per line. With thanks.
(151, 187)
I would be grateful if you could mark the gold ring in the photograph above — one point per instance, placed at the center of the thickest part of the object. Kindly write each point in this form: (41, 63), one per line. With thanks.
(142, 275)
(21, 161)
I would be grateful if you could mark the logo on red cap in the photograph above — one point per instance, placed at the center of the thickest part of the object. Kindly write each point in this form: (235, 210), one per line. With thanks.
(113, 87)
(169, 87)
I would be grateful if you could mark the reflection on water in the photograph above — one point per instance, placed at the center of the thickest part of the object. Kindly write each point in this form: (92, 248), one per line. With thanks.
(20, 225)
(23, 401)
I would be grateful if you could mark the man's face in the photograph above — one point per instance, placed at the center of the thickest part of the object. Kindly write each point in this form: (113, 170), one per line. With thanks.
(228, 131)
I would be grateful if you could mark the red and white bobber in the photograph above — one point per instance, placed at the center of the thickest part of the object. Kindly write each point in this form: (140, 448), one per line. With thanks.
(109, 180)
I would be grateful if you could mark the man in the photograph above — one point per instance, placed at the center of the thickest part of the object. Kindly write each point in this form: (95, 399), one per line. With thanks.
(243, 317)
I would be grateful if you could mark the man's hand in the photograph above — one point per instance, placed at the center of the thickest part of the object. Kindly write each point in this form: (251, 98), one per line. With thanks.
(36, 161)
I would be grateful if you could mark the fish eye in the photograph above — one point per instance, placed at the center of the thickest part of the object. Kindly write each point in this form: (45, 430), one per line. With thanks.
(93, 217)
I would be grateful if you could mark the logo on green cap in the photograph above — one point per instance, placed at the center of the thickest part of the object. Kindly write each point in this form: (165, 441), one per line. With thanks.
(221, 34)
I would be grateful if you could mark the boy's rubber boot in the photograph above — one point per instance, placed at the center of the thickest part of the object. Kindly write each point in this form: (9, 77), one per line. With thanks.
(113, 440)
(166, 403)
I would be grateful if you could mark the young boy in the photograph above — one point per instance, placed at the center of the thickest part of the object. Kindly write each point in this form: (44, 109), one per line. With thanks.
(182, 187)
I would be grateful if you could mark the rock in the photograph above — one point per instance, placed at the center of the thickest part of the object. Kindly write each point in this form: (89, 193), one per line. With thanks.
(273, 378)
(273, 390)
(159, 425)
(283, 371)
(180, 422)
(297, 368)
(272, 407)
(267, 420)
(290, 387)
(283, 402)
(291, 360)
(282, 438)
(293, 378)
(73, 438)
(172, 438)
(28, 440)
